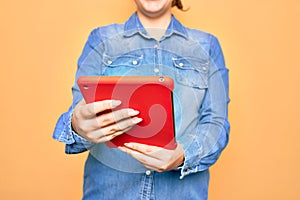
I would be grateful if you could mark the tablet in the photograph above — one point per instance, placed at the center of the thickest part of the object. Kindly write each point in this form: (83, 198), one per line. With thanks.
(152, 96)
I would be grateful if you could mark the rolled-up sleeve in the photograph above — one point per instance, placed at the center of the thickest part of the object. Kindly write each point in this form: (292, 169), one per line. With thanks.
(212, 133)
(89, 64)
(63, 132)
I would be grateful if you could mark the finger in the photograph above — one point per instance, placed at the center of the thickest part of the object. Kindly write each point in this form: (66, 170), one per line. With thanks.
(92, 109)
(121, 125)
(99, 137)
(110, 132)
(115, 116)
(135, 154)
(111, 136)
(110, 123)
(147, 161)
(143, 148)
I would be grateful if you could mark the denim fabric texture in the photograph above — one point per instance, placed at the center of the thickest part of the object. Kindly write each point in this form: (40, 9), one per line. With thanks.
(195, 61)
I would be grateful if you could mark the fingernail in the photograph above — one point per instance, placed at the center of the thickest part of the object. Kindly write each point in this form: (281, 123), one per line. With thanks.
(115, 103)
(132, 112)
(136, 120)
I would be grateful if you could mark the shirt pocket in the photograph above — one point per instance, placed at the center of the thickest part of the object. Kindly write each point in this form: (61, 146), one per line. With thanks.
(191, 72)
(126, 60)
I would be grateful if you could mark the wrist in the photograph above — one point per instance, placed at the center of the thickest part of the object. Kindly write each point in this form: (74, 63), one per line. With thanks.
(73, 124)
(181, 161)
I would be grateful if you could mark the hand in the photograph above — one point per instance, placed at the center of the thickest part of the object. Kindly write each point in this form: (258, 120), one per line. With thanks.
(94, 123)
(155, 158)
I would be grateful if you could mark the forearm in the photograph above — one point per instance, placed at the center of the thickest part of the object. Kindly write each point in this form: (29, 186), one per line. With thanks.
(205, 148)
(212, 133)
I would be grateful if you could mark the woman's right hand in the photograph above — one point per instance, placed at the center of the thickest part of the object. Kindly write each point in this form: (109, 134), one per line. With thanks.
(94, 123)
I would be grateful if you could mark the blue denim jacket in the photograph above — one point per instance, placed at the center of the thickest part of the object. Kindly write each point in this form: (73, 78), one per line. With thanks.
(195, 61)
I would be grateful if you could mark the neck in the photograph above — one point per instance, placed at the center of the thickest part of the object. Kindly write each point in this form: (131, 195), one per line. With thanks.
(155, 22)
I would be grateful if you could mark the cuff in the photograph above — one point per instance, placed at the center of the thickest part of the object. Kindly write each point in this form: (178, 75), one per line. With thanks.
(64, 133)
(192, 154)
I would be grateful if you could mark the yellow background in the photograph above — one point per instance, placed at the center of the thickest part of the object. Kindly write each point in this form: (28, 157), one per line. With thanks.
(41, 41)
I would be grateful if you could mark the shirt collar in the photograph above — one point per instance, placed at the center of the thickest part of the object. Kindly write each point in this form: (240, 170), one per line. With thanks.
(133, 25)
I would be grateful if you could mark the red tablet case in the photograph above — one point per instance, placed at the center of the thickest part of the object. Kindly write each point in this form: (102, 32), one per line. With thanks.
(151, 95)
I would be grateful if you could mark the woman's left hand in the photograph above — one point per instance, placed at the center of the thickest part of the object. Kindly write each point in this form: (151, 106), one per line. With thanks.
(155, 158)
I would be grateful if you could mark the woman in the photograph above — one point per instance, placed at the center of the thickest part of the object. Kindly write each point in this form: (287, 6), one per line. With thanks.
(151, 42)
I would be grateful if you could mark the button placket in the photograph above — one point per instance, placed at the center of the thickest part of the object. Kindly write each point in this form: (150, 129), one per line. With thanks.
(157, 53)
(147, 185)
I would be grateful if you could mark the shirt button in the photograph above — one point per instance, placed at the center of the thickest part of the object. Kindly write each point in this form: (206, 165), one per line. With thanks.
(187, 170)
(204, 68)
(148, 172)
(156, 70)
(156, 46)
(134, 62)
(109, 62)
(181, 64)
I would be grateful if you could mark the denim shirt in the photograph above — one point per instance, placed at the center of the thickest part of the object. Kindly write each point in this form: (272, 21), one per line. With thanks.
(194, 60)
